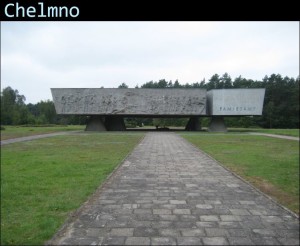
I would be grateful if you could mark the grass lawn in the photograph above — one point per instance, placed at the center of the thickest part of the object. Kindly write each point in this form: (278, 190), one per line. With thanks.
(43, 180)
(270, 164)
(24, 131)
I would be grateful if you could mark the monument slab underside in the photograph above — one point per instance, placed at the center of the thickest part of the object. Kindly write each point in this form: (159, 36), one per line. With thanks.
(129, 102)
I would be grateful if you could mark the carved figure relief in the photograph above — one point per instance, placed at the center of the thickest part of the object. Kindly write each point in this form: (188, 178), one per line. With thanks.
(110, 101)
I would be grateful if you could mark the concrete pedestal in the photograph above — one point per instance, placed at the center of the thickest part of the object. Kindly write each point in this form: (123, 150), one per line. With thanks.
(95, 123)
(115, 123)
(194, 124)
(217, 124)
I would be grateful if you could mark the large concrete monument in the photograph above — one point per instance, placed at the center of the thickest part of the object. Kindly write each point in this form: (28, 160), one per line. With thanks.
(108, 107)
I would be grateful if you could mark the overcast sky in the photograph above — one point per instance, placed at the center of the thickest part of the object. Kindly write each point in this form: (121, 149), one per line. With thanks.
(37, 56)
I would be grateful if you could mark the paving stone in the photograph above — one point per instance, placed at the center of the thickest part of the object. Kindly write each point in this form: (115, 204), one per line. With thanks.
(168, 206)
(252, 225)
(123, 211)
(209, 218)
(137, 241)
(188, 217)
(147, 206)
(204, 206)
(81, 232)
(247, 202)
(145, 232)
(240, 241)
(112, 206)
(216, 232)
(212, 201)
(287, 233)
(177, 202)
(95, 232)
(145, 217)
(117, 224)
(162, 211)
(139, 223)
(118, 232)
(160, 201)
(91, 223)
(181, 211)
(163, 241)
(168, 217)
(184, 224)
(215, 241)
(258, 212)
(266, 241)
(142, 211)
(239, 232)
(230, 218)
(130, 206)
(239, 211)
(229, 224)
(107, 201)
(169, 232)
(264, 232)
(162, 224)
(188, 241)
(192, 232)
(143, 201)
(288, 241)
(113, 241)
(219, 211)
(201, 224)
(83, 241)
(274, 219)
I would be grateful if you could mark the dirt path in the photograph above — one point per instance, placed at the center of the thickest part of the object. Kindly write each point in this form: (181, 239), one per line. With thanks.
(29, 138)
(275, 136)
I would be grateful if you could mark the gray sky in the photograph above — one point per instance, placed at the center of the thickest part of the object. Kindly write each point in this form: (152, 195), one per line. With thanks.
(37, 56)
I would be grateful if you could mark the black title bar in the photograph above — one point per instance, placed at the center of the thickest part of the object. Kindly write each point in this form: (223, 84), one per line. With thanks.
(85, 10)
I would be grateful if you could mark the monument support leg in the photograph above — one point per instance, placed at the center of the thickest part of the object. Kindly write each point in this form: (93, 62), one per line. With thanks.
(194, 124)
(217, 124)
(115, 123)
(95, 123)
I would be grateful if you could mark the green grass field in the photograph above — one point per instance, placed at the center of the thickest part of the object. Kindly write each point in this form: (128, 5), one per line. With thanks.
(24, 131)
(43, 180)
(271, 164)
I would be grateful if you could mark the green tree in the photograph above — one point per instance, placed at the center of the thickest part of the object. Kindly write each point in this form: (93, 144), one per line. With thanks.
(281, 105)
(176, 84)
(214, 82)
(13, 109)
(123, 86)
(226, 81)
(47, 111)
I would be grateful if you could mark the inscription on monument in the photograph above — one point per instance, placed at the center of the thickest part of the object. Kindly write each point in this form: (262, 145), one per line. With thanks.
(130, 101)
(237, 109)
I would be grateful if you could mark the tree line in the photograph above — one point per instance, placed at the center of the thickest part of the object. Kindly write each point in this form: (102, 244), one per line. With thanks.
(281, 104)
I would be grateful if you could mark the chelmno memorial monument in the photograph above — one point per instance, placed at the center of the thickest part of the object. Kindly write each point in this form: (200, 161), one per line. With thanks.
(108, 107)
